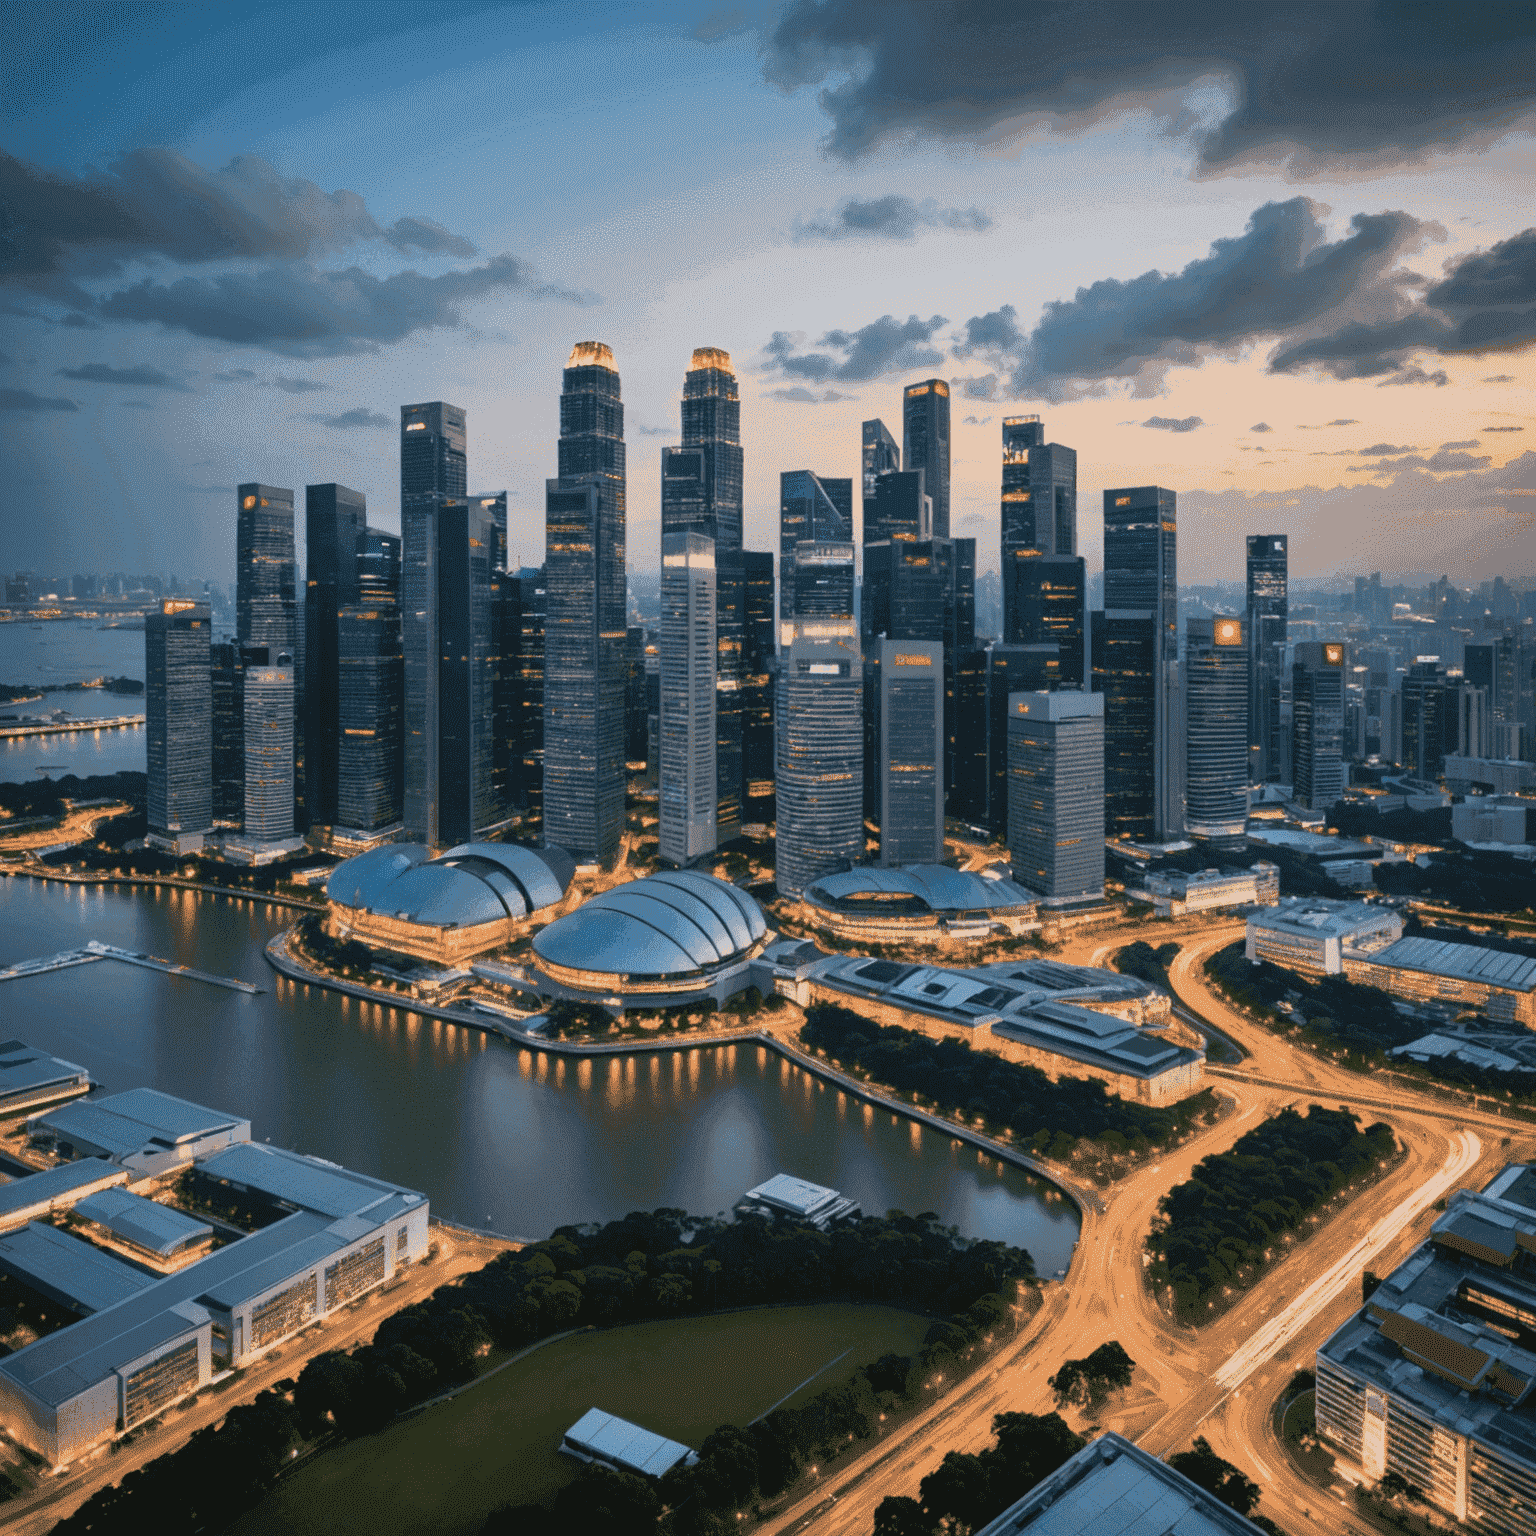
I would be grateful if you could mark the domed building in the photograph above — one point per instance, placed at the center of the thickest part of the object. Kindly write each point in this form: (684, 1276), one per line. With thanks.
(678, 933)
(445, 910)
(919, 902)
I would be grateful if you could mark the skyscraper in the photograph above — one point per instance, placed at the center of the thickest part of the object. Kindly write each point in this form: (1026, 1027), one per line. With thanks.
(432, 451)
(1141, 576)
(1045, 602)
(1124, 648)
(264, 567)
(1317, 724)
(686, 731)
(881, 456)
(530, 702)
(1056, 794)
(822, 576)
(812, 509)
(334, 520)
(1010, 669)
(178, 711)
(758, 657)
(1268, 606)
(1216, 687)
(911, 752)
(1039, 505)
(1429, 720)
(584, 620)
(269, 727)
(370, 692)
(701, 492)
(228, 735)
(925, 443)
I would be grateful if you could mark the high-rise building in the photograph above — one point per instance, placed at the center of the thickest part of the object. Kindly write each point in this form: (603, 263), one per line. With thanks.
(264, 567)
(584, 616)
(963, 562)
(1217, 673)
(334, 521)
(1141, 576)
(1429, 720)
(370, 693)
(269, 725)
(530, 701)
(686, 731)
(925, 443)
(1039, 505)
(228, 735)
(900, 508)
(881, 456)
(911, 752)
(1011, 669)
(634, 694)
(758, 660)
(1268, 606)
(178, 721)
(822, 574)
(1045, 602)
(812, 509)
(433, 442)
(701, 492)
(818, 717)
(1317, 724)
(1124, 646)
(494, 505)
(1056, 794)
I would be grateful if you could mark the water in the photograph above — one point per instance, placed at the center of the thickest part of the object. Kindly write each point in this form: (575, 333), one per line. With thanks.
(71, 651)
(498, 1137)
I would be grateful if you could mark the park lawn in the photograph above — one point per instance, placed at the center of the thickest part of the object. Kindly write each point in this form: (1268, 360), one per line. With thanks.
(446, 1468)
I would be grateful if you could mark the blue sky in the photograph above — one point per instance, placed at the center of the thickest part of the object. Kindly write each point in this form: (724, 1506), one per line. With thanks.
(1161, 259)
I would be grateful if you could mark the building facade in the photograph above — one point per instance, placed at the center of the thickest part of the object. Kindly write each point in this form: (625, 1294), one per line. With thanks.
(911, 752)
(881, 454)
(925, 443)
(178, 724)
(1317, 724)
(269, 726)
(1268, 607)
(757, 668)
(687, 729)
(1056, 794)
(813, 509)
(1217, 675)
(370, 696)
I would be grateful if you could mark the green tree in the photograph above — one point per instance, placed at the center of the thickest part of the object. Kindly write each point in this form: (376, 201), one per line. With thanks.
(1203, 1467)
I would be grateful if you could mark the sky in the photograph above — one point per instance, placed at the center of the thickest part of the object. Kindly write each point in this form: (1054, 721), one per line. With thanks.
(1281, 261)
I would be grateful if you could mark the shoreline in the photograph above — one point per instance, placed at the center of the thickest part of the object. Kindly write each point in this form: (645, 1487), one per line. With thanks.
(171, 882)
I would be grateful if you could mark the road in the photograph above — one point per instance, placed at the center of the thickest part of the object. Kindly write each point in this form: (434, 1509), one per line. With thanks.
(79, 826)
(457, 1254)
(1222, 1379)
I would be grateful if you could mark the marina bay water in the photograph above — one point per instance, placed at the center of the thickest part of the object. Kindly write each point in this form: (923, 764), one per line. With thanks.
(72, 651)
(512, 1140)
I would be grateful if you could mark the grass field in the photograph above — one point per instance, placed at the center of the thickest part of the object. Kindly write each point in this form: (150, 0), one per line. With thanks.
(447, 1468)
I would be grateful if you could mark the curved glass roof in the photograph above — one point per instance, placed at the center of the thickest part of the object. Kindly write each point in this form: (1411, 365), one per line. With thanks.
(938, 886)
(667, 925)
(474, 883)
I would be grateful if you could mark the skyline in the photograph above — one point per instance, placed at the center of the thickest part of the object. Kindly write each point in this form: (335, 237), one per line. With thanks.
(802, 260)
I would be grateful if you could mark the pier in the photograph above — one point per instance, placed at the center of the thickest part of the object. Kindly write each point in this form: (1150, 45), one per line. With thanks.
(64, 727)
(96, 950)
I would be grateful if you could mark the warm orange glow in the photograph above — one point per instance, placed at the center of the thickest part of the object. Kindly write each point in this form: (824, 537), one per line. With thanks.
(591, 354)
(711, 357)
(1229, 632)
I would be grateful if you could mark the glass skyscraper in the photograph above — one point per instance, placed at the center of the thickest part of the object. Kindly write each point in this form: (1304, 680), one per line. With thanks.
(1124, 648)
(911, 752)
(925, 443)
(1045, 599)
(264, 567)
(1317, 724)
(1216, 671)
(228, 735)
(881, 456)
(584, 621)
(1268, 605)
(758, 661)
(370, 691)
(686, 729)
(269, 724)
(1056, 794)
(1039, 508)
(812, 509)
(178, 721)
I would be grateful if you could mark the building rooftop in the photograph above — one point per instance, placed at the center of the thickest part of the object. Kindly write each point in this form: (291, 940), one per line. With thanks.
(69, 1270)
(616, 1440)
(24, 1070)
(1318, 917)
(935, 887)
(158, 1228)
(307, 1183)
(57, 1183)
(1465, 962)
(1114, 1488)
(139, 1120)
(814, 1203)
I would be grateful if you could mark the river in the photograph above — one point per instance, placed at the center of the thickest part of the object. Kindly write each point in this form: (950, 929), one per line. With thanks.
(498, 1137)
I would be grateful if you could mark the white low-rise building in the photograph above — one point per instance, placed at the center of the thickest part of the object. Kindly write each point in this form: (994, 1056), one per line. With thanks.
(1174, 893)
(1311, 933)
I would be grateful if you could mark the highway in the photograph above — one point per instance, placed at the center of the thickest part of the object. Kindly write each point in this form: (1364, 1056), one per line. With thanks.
(1222, 1379)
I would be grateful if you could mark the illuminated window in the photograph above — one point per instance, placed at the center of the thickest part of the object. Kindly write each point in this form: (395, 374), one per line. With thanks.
(1122, 501)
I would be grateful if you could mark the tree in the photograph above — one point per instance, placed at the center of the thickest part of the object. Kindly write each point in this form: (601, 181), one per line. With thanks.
(604, 1502)
(1203, 1467)
(1087, 1382)
(901, 1516)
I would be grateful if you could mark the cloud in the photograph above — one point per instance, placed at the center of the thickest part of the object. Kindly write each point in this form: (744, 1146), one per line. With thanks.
(358, 416)
(235, 376)
(1448, 458)
(1261, 426)
(892, 217)
(298, 310)
(1499, 378)
(25, 400)
(982, 387)
(297, 386)
(1416, 375)
(1345, 421)
(798, 394)
(1501, 429)
(1288, 93)
(977, 421)
(156, 202)
(137, 405)
(1376, 450)
(1470, 442)
(886, 345)
(1281, 278)
(78, 322)
(140, 376)
(1174, 423)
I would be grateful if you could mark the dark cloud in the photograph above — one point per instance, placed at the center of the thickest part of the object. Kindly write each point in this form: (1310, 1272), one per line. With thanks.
(894, 70)
(1499, 378)
(892, 217)
(297, 386)
(298, 310)
(1416, 375)
(982, 387)
(235, 376)
(886, 345)
(1174, 423)
(78, 322)
(1345, 421)
(1501, 429)
(25, 400)
(798, 394)
(1448, 458)
(1280, 278)
(977, 421)
(1470, 442)
(358, 416)
(140, 376)
(1261, 426)
(156, 202)
(1376, 450)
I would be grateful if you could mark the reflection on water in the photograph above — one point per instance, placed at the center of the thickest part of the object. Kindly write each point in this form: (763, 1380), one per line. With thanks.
(498, 1137)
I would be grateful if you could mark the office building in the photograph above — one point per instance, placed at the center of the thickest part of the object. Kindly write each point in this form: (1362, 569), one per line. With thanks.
(822, 577)
(813, 509)
(265, 603)
(634, 695)
(584, 613)
(1497, 983)
(269, 725)
(1443, 715)
(228, 735)
(925, 443)
(1141, 577)
(881, 456)
(1124, 646)
(911, 752)
(1311, 934)
(334, 521)
(701, 492)
(530, 685)
(178, 724)
(433, 443)
(1039, 507)
(686, 733)
(757, 666)
(819, 721)
(370, 697)
(1045, 602)
(1268, 606)
(1056, 794)
(494, 505)
(1217, 673)
(1175, 894)
(968, 780)
(1010, 669)
(1317, 724)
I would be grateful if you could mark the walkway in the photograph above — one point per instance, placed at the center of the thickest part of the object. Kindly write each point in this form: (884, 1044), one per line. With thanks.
(96, 950)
